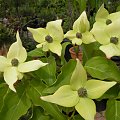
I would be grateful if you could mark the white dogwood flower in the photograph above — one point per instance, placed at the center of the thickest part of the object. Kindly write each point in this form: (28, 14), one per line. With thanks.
(13, 66)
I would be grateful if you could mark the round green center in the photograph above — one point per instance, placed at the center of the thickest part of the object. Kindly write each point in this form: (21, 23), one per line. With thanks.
(14, 62)
(82, 92)
(114, 40)
(78, 35)
(49, 39)
(108, 21)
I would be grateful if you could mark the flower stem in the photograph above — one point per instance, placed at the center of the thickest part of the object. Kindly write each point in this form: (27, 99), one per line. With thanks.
(76, 49)
(71, 117)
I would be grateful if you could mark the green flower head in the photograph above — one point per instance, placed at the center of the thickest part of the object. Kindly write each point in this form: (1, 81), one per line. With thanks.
(80, 93)
(13, 66)
(49, 37)
(80, 32)
(106, 31)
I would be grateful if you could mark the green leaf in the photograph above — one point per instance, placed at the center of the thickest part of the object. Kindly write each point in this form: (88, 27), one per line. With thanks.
(3, 92)
(64, 45)
(15, 104)
(67, 110)
(34, 91)
(1, 78)
(77, 117)
(82, 5)
(63, 78)
(102, 68)
(91, 50)
(111, 93)
(112, 111)
(48, 72)
(92, 3)
(38, 114)
(118, 8)
(38, 52)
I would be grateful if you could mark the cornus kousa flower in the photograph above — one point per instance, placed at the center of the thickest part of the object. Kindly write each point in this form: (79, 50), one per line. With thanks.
(106, 31)
(80, 32)
(104, 17)
(14, 65)
(49, 37)
(80, 93)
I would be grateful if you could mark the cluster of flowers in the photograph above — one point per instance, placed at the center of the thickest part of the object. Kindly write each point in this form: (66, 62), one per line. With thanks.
(105, 31)
(81, 91)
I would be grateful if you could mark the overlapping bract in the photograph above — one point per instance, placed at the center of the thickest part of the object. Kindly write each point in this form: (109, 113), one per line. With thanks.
(80, 33)
(13, 66)
(106, 31)
(52, 31)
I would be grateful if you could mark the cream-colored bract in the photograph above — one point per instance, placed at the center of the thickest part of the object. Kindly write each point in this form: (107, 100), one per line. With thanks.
(14, 64)
(67, 95)
(55, 31)
(81, 26)
(107, 26)
(102, 15)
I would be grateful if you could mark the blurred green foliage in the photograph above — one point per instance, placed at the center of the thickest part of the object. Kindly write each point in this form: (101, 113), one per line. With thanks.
(6, 37)
(36, 13)
(47, 10)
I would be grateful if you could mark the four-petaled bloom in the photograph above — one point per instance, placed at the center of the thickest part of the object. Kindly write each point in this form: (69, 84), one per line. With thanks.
(80, 32)
(80, 93)
(106, 31)
(14, 65)
(49, 38)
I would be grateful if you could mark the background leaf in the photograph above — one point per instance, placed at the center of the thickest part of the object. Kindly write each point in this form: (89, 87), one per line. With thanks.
(38, 114)
(102, 68)
(82, 5)
(38, 52)
(112, 111)
(77, 117)
(48, 72)
(15, 104)
(34, 91)
(63, 78)
(111, 93)
(3, 92)
(64, 47)
(91, 50)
